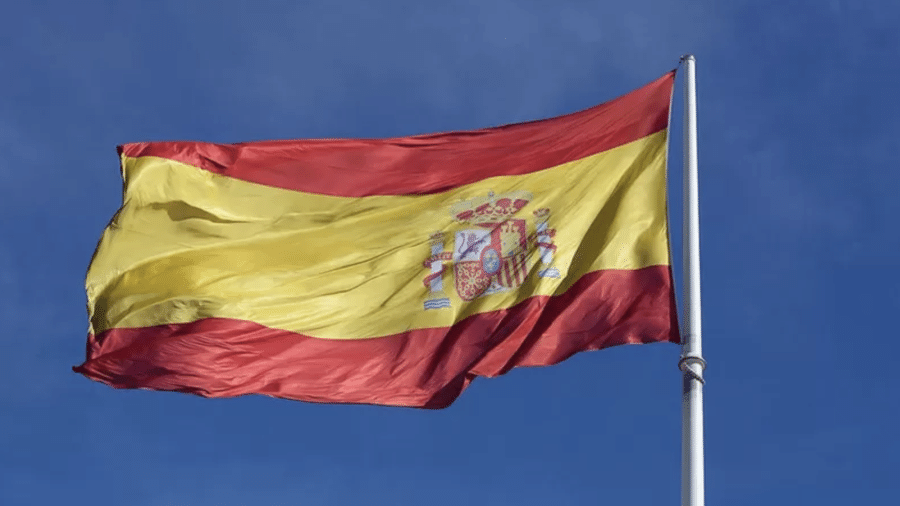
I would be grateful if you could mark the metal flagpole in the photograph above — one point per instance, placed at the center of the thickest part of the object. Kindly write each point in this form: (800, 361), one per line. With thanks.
(691, 363)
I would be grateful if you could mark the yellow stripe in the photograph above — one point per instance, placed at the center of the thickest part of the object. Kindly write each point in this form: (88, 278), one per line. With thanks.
(190, 244)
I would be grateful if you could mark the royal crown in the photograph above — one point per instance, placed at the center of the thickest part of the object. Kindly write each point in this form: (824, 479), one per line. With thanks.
(491, 209)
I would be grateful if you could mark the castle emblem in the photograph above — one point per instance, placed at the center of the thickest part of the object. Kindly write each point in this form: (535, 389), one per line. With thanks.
(492, 255)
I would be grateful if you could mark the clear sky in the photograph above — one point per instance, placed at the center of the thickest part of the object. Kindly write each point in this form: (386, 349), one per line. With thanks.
(799, 204)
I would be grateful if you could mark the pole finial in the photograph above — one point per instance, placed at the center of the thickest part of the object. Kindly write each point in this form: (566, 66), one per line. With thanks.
(685, 57)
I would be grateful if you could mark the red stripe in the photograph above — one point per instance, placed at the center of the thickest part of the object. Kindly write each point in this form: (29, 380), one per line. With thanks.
(439, 162)
(514, 271)
(423, 368)
(521, 269)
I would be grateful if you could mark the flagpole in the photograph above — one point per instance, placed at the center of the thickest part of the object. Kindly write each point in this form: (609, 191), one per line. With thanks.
(691, 363)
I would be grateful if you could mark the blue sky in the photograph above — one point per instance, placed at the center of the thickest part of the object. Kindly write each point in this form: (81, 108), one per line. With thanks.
(799, 201)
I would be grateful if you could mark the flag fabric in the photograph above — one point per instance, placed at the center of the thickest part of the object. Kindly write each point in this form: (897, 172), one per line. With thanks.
(385, 271)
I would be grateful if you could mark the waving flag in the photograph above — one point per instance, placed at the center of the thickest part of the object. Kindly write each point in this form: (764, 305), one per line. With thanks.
(389, 271)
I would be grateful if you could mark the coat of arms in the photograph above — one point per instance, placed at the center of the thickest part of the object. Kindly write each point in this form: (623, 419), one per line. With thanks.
(492, 254)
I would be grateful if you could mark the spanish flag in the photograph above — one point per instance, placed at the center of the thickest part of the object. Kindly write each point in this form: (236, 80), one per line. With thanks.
(387, 271)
